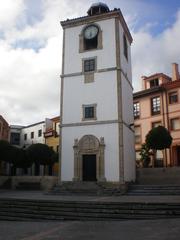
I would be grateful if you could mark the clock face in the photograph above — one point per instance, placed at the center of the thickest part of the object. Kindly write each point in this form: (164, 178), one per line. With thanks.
(90, 32)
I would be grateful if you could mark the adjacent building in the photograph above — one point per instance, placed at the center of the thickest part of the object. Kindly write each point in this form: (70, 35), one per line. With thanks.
(4, 135)
(32, 134)
(159, 104)
(15, 135)
(4, 129)
(97, 141)
(52, 138)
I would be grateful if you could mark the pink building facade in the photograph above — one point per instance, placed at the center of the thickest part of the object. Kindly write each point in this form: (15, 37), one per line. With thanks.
(159, 104)
(4, 129)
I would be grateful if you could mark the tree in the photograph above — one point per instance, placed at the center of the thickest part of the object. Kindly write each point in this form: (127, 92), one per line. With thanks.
(40, 153)
(145, 155)
(4, 147)
(21, 159)
(7, 151)
(158, 138)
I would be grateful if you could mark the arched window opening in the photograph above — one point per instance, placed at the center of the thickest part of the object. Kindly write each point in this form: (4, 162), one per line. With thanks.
(91, 37)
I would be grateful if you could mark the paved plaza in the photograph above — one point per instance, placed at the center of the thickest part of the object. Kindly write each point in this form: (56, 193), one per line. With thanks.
(160, 229)
(122, 230)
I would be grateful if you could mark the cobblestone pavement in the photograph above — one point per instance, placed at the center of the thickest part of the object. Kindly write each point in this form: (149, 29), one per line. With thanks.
(163, 229)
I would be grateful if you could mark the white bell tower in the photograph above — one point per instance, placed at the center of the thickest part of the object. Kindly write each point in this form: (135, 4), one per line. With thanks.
(97, 142)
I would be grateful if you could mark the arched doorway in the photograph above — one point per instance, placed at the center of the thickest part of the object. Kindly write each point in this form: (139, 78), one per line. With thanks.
(89, 159)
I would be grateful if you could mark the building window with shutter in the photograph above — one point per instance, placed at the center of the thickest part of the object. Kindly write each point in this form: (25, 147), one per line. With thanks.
(137, 133)
(173, 97)
(39, 132)
(89, 112)
(25, 136)
(89, 65)
(136, 110)
(155, 105)
(175, 124)
(154, 83)
(156, 124)
(32, 135)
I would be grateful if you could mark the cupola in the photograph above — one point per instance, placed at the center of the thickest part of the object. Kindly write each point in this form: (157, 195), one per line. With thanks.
(98, 8)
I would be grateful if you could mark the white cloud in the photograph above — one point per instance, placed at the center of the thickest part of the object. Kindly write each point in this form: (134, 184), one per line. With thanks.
(9, 12)
(155, 54)
(29, 79)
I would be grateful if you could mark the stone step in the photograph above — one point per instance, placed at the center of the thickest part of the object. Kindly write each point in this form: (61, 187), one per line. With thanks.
(28, 186)
(85, 188)
(17, 209)
(153, 190)
(154, 187)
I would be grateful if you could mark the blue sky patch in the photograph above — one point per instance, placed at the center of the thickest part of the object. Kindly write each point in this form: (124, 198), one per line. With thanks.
(34, 44)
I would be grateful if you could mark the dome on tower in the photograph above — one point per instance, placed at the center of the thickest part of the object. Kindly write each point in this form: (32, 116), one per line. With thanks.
(97, 8)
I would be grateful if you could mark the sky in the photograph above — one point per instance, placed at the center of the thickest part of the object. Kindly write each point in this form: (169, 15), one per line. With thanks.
(31, 46)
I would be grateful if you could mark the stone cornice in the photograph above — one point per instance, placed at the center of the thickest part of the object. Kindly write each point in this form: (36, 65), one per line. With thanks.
(91, 19)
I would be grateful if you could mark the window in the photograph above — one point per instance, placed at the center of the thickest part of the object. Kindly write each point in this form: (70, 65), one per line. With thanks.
(32, 134)
(15, 138)
(89, 65)
(39, 132)
(137, 133)
(175, 124)
(25, 136)
(173, 97)
(155, 105)
(136, 110)
(125, 47)
(89, 112)
(156, 124)
(154, 83)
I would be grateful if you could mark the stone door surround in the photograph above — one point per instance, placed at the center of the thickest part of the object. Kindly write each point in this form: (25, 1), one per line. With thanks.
(89, 144)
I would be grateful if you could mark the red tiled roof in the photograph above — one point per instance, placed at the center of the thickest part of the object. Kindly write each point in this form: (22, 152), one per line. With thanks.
(171, 85)
(157, 75)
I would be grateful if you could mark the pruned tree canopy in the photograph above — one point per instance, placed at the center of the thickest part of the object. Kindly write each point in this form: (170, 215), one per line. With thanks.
(158, 138)
(41, 154)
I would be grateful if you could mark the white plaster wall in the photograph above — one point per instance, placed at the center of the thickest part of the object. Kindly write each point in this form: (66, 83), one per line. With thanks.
(110, 134)
(73, 59)
(129, 155)
(103, 92)
(127, 100)
(125, 65)
(27, 130)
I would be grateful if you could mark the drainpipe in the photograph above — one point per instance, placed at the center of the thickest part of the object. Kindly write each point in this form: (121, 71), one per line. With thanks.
(164, 122)
(168, 127)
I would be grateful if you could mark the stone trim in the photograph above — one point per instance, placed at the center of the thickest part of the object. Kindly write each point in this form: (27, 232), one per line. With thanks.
(99, 39)
(100, 71)
(61, 104)
(119, 96)
(89, 58)
(89, 123)
(89, 144)
(89, 77)
(127, 79)
(94, 105)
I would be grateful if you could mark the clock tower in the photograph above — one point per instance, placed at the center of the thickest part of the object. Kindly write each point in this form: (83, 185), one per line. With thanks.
(97, 139)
